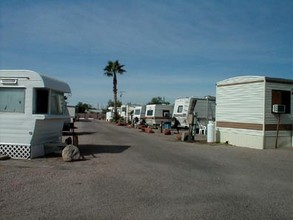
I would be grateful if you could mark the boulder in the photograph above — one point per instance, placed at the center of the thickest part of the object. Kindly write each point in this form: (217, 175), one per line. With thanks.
(70, 153)
(167, 132)
(148, 130)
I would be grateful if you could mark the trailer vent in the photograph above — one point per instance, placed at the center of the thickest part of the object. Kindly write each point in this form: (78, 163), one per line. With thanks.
(9, 81)
(16, 151)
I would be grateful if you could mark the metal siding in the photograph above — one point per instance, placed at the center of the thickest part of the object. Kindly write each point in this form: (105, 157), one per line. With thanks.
(271, 118)
(240, 80)
(241, 138)
(47, 131)
(285, 137)
(240, 103)
(15, 128)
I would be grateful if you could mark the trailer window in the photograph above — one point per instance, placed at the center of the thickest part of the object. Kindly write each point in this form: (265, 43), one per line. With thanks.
(137, 112)
(150, 112)
(57, 103)
(41, 101)
(282, 97)
(12, 100)
(166, 113)
(180, 109)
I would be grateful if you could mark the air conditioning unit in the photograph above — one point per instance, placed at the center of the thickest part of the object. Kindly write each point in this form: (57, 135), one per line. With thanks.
(279, 109)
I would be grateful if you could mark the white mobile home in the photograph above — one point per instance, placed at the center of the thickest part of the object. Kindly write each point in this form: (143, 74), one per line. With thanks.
(157, 113)
(204, 108)
(246, 113)
(32, 112)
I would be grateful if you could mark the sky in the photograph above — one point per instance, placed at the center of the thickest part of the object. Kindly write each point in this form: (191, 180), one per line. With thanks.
(170, 48)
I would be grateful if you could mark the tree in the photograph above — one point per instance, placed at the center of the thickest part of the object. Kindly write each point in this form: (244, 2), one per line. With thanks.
(82, 107)
(111, 70)
(111, 103)
(158, 100)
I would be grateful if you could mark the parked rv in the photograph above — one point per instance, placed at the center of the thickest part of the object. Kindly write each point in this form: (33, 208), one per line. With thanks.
(202, 108)
(126, 112)
(32, 112)
(69, 123)
(158, 113)
(182, 108)
(110, 114)
(138, 113)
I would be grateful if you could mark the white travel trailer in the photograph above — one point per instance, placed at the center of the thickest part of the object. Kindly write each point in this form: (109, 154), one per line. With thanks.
(204, 108)
(126, 112)
(138, 113)
(157, 113)
(110, 114)
(255, 111)
(32, 112)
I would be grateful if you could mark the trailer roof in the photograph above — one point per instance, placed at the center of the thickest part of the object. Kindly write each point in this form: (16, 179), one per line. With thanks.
(37, 80)
(252, 79)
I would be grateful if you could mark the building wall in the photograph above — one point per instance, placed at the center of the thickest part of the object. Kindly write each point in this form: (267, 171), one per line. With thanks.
(240, 114)
(244, 117)
(271, 120)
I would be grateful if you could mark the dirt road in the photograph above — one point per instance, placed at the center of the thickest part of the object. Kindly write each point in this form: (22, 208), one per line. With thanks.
(128, 174)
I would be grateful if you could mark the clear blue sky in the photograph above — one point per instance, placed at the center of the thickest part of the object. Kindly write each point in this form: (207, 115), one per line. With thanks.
(172, 49)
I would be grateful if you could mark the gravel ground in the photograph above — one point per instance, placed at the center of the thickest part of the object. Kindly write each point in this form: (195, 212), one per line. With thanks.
(128, 174)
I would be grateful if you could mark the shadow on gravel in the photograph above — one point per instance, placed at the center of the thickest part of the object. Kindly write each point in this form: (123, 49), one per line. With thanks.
(78, 133)
(97, 149)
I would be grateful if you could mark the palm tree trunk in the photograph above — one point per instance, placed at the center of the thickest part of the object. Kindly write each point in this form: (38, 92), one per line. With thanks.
(115, 95)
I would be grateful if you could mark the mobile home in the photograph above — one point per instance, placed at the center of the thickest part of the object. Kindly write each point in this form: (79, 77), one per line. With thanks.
(157, 114)
(32, 112)
(203, 108)
(255, 111)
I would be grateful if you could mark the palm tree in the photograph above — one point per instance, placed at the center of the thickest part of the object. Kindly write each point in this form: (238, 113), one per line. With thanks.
(111, 70)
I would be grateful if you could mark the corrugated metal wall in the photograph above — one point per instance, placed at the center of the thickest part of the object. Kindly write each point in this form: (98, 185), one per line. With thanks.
(241, 103)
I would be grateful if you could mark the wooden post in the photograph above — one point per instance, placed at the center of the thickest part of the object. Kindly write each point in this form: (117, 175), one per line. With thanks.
(278, 127)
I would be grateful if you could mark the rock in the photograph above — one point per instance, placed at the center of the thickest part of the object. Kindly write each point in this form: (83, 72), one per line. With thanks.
(4, 157)
(148, 130)
(70, 153)
(167, 132)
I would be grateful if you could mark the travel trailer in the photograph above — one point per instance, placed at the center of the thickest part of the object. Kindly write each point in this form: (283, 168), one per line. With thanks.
(202, 108)
(126, 111)
(32, 112)
(158, 113)
(138, 113)
(255, 112)
(110, 114)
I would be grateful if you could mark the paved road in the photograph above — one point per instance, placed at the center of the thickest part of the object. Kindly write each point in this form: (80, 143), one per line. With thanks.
(128, 174)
